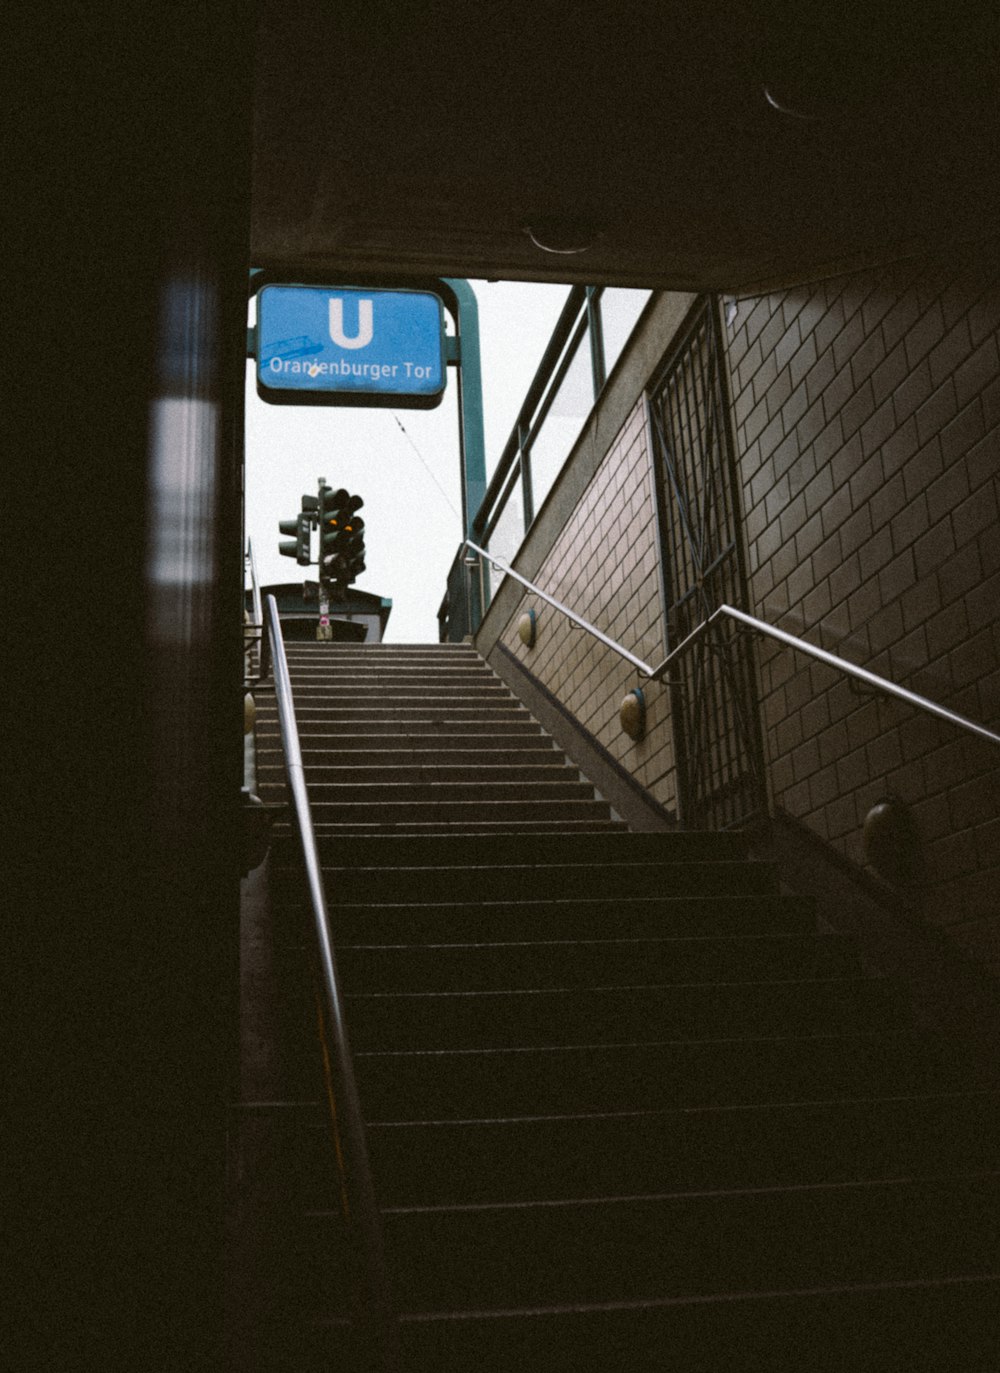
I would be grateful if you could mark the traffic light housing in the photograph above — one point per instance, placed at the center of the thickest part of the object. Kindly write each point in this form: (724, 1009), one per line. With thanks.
(298, 547)
(341, 537)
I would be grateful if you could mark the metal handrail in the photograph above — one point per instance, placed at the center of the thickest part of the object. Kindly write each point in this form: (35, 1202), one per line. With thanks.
(377, 1307)
(257, 620)
(613, 644)
(568, 319)
(862, 674)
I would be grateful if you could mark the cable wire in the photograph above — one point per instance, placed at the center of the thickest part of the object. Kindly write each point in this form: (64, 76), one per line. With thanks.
(426, 467)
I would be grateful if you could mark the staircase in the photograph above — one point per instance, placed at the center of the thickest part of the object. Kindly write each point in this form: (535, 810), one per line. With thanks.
(628, 1108)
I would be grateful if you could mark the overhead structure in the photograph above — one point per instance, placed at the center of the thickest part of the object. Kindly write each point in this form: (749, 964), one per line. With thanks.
(681, 145)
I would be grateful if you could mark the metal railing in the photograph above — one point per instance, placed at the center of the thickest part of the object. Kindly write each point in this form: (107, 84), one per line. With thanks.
(254, 637)
(587, 340)
(871, 679)
(589, 337)
(513, 469)
(376, 1312)
(613, 644)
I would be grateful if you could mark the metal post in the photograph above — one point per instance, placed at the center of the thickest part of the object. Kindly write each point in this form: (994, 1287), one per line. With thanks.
(471, 431)
(472, 437)
(596, 328)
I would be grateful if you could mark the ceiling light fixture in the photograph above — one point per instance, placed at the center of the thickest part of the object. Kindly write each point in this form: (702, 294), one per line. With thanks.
(563, 236)
(784, 108)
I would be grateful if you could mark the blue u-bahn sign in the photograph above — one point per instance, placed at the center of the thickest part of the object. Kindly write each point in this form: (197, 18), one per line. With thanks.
(320, 345)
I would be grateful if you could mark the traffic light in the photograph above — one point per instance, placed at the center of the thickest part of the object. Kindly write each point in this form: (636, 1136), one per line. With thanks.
(298, 547)
(341, 536)
(354, 543)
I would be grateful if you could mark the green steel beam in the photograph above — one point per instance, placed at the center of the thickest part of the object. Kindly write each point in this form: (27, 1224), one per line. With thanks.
(472, 435)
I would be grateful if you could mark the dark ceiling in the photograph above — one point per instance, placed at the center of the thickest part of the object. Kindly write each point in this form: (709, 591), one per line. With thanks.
(689, 145)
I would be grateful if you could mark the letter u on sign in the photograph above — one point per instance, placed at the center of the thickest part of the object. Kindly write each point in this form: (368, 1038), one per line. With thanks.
(365, 324)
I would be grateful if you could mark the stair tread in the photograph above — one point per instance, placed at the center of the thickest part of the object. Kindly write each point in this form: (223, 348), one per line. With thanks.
(383, 774)
(987, 1095)
(682, 1071)
(454, 850)
(386, 757)
(634, 1199)
(684, 915)
(666, 960)
(842, 1037)
(668, 988)
(810, 1236)
(360, 733)
(538, 1158)
(914, 1326)
(508, 825)
(387, 793)
(539, 1016)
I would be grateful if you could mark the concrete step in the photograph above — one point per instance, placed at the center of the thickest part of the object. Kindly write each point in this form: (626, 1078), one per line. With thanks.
(552, 881)
(312, 680)
(893, 1231)
(529, 750)
(355, 734)
(509, 825)
(414, 671)
(379, 658)
(485, 700)
(539, 1017)
(663, 1252)
(385, 793)
(401, 727)
(567, 963)
(918, 1327)
(600, 962)
(650, 1074)
(693, 917)
(677, 1245)
(307, 647)
(667, 848)
(527, 774)
(445, 814)
(307, 690)
(358, 664)
(384, 707)
(561, 1157)
(565, 1157)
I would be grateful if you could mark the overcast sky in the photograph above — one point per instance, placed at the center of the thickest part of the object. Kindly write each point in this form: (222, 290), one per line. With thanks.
(409, 480)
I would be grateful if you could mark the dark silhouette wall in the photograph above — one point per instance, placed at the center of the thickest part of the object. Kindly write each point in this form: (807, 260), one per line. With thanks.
(130, 259)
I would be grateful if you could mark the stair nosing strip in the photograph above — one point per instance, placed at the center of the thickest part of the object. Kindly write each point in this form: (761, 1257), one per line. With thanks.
(731, 1108)
(844, 1037)
(809, 937)
(706, 1299)
(672, 987)
(699, 1194)
(517, 903)
(609, 865)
